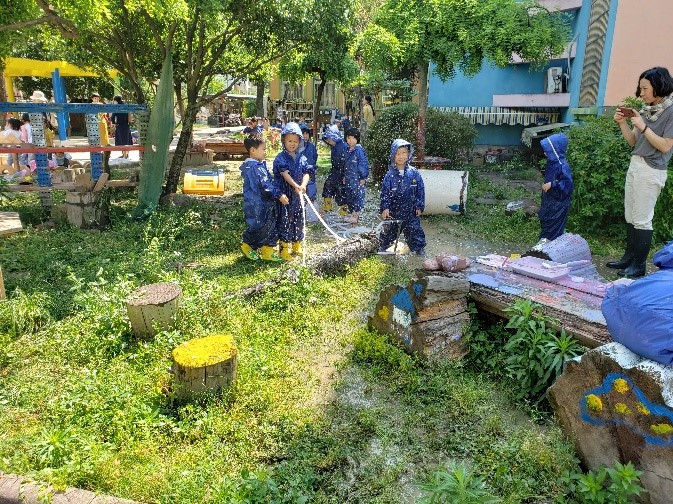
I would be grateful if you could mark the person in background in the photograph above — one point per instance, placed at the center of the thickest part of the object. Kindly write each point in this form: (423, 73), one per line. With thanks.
(291, 176)
(12, 129)
(311, 154)
(356, 171)
(345, 124)
(26, 137)
(338, 147)
(651, 136)
(403, 199)
(253, 126)
(62, 159)
(103, 133)
(259, 203)
(557, 187)
(367, 114)
(122, 121)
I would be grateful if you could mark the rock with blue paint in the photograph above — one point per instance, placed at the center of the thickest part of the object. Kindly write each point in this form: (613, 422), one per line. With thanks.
(428, 316)
(617, 405)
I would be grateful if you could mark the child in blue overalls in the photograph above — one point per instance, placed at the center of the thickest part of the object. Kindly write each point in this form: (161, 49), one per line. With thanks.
(331, 191)
(403, 199)
(291, 174)
(356, 171)
(259, 203)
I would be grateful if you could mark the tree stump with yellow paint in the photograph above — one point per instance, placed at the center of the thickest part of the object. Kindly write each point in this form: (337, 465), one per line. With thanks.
(152, 308)
(204, 364)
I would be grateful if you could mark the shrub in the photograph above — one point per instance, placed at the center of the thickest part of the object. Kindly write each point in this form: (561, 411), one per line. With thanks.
(447, 134)
(599, 158)
(619, 485)
(458, 484)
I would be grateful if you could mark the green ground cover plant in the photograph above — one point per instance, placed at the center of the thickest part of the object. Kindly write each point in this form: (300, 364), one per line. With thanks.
(324, 410)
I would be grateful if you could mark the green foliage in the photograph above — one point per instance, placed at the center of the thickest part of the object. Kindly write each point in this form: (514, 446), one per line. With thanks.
(535, 353)
(457, 484)
(448, 134)
(24, 313)
(376, 349)
(619, 484)
(486, 342)
(598, 158)
(249, 108)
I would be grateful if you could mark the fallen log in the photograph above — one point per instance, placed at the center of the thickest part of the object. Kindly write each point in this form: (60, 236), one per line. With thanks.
(328, 262)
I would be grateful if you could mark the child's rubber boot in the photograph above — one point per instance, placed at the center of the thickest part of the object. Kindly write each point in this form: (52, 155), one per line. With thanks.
(285, 251)
(343, 210)
(297, 248)
(268, 253)
(249, 252)
(327, 204)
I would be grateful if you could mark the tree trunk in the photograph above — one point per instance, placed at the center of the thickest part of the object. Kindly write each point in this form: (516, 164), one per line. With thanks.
(261, 86)
(184, 142)
(422, 109)
(316, 105)
(3, 89)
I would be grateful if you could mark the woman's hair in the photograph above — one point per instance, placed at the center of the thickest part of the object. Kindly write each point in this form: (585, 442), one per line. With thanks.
(25, 117)
(14, 123)
(661, 80)
(118, 99)
(354, 132)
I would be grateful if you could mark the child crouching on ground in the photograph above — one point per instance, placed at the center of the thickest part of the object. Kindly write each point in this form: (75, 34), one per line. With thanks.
(557, 187)
(291, 176)
(403, 199)
(356, 171)
(259, 203)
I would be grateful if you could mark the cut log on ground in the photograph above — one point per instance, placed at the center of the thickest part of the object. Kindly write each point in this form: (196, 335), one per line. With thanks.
(589, 334)
(204, 365)
(428, 316)
(617, 405)
(19, 490)
(152, 308)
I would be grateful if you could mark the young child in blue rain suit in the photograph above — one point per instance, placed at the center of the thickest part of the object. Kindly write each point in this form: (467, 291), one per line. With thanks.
(330, 191)
(311, 154)
(356, 171)
(259, 203)
(291, 174)
(557, 187)
(403, 198)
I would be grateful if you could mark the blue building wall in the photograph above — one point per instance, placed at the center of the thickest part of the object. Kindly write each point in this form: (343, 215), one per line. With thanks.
(478, 91)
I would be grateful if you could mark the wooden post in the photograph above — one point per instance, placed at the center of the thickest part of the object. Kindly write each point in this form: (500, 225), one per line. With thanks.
(2, 286)
(152, 308)
(204, 364)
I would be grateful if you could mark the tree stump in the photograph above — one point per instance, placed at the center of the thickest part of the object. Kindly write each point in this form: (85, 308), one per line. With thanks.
(152, 308)
(204, 364)
(428, 316)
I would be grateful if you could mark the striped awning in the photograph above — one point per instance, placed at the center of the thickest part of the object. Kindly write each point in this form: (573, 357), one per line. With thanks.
(506, 115)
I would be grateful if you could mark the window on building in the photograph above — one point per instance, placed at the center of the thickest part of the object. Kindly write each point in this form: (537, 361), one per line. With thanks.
(292, 91)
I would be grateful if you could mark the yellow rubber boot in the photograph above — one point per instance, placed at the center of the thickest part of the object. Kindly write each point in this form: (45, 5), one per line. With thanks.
(249, 252)
(268, 253)
(327, 204)
(343, 210)
(297, 248)
(285, 248)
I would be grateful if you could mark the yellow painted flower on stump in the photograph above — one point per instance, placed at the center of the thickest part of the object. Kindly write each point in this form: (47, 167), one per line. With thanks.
(201, 352)
(594, 403)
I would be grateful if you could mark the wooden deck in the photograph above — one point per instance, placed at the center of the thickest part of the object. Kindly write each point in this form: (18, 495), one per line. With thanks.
(10, 223)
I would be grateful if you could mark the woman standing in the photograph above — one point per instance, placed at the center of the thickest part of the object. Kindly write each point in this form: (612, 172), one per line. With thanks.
(651, 136)
(367, 114)
(121, 121)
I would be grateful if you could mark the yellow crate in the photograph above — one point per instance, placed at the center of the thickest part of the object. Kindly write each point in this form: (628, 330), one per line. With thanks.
(204, 182)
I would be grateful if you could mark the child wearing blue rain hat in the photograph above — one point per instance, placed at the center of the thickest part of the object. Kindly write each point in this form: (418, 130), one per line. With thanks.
(259, 203)
(332, 137)
(356, 171)
(291, 174)
(403, 199)
(557, 187)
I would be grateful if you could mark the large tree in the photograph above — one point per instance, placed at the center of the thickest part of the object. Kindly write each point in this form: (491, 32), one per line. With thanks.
(462, 35)
(325, 53)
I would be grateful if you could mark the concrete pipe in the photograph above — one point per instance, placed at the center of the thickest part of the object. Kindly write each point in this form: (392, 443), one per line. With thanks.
(445, 191)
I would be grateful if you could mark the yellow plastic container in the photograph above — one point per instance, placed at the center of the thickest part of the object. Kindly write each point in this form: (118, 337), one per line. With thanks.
(204, 182)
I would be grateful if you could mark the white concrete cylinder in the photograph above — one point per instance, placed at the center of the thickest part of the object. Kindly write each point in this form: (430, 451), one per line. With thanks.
(445, 191)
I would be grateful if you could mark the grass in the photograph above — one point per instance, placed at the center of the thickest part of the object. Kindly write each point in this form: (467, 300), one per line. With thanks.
(323, 410)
